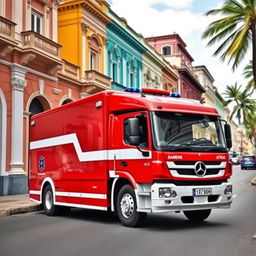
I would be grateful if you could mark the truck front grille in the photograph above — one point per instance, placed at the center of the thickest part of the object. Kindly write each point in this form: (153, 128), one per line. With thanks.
(186, 169)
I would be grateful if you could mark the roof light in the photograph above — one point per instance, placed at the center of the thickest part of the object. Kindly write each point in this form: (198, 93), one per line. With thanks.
(175, 95)
(155, 92)
(132, 90)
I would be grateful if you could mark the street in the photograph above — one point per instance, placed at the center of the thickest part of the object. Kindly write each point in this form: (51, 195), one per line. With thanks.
(93, 233)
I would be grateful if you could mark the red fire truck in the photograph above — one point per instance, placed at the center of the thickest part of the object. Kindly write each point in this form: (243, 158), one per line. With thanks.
(136, 152)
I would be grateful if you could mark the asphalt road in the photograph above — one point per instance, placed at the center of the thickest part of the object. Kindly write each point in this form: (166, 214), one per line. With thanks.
(92, 233)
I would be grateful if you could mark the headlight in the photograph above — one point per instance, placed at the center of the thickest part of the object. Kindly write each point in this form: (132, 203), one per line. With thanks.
(228, 190)
(167, 192)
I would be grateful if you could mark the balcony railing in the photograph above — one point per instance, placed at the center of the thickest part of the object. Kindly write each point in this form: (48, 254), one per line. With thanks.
(93, 77)
(7, 29)
(70, 69)
(33, 40)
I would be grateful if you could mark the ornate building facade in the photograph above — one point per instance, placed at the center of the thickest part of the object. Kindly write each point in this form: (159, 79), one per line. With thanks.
(211, 95)
(33, 78)
(173, 48)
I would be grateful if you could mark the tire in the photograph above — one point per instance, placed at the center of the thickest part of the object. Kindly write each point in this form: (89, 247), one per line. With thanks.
(198, 215)
(48, 205)
(126, 206)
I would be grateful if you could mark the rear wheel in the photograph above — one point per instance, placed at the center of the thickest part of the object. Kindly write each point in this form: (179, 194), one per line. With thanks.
(48, 204)
(127, 208)
(198, 215)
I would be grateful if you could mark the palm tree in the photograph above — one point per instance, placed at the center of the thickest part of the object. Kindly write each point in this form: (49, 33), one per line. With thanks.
(236, 30)
(249, 75)
(251, 129)
(244, 107)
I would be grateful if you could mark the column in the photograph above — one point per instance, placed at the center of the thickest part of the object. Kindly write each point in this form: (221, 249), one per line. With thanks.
(84, 47)
(17, 11)
(124, 72)
(18, 84)
(54, 25)
(29, 12)
(2, 8)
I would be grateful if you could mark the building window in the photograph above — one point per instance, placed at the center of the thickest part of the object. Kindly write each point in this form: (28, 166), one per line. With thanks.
(93, 61)
(166, 50)
(36, 22)
(94, 47)
(131, 79)
(114, 71)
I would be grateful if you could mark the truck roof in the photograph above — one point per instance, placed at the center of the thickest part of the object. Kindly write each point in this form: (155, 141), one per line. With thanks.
(129, 101)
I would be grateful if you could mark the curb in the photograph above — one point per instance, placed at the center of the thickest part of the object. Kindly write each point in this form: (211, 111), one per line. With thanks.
(24, 209)
(253, 181)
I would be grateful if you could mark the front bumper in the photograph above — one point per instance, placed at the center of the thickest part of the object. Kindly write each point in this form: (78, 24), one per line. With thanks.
(186, 201)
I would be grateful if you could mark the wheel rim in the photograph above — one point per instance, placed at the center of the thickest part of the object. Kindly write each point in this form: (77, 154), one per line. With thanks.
(127, 205)
(48, 200)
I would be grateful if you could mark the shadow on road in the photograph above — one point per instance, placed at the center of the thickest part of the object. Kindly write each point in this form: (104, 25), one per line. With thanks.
(170, 221)
(154, 222)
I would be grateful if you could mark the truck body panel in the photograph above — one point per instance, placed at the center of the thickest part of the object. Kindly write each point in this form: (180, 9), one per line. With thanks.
(81, 151)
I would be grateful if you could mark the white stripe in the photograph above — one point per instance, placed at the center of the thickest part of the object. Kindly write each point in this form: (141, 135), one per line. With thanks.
(118, 154)
(34, 192)
(82, 195)
(83, 206)
(72, 194)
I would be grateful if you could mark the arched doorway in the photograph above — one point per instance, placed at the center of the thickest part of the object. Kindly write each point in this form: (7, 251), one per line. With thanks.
(38, 105)
(66, 101)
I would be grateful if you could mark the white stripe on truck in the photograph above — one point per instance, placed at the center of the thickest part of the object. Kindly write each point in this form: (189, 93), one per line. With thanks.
(98, 155)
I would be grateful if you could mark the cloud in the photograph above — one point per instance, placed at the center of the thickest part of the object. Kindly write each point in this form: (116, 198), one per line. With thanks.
(153, 18)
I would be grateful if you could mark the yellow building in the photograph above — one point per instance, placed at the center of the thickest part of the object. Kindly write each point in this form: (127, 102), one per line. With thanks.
(82, 34)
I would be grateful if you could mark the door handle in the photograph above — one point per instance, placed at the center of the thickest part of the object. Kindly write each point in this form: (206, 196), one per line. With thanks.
(124, 164)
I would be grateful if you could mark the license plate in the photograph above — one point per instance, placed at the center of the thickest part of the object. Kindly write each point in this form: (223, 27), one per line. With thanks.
(202, 191)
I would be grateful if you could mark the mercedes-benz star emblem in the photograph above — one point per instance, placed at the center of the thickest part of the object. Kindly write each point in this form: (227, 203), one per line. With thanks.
(200, 169)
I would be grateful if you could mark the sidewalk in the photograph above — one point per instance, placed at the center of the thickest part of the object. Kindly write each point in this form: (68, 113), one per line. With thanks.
(16, 204)
(10, 205)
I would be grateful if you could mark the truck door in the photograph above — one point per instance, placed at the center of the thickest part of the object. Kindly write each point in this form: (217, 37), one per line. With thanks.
(130, 159)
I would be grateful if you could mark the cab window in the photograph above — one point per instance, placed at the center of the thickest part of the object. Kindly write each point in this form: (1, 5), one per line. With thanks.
(142, 129)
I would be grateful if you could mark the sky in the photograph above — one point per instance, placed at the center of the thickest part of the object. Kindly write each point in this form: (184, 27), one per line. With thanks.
(186, 18)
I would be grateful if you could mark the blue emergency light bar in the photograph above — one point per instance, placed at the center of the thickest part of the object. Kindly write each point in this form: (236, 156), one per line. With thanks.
(175, 95)
(153, 91)
(132, 90)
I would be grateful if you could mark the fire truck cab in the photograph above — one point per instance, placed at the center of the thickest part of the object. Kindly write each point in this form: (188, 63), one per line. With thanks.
(134, 152)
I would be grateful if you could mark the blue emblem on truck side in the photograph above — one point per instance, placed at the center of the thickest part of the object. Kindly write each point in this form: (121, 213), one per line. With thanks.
(41, 163)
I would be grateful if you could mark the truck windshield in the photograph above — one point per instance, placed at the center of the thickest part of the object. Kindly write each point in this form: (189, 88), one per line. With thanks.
(187, 132)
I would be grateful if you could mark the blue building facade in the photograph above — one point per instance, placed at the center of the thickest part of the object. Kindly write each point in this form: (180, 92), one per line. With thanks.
(124, 54)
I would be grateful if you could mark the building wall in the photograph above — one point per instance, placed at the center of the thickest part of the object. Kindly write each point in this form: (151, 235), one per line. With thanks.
(29, 65)
(124, 55)
(86, 44)
(182, 61)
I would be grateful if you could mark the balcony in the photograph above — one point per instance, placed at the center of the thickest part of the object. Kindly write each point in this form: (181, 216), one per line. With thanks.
(96, 81)
(7, 33)
(70, 70)
(44, 50)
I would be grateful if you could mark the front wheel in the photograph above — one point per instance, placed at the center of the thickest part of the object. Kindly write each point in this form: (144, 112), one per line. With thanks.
(127, 208)
(198, 215)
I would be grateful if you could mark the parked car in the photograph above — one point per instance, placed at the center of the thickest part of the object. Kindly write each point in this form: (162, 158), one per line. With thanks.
(234, 158)
(248, 161)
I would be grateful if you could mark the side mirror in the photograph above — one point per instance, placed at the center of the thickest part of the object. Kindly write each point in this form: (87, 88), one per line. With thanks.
(133, 131)
(228, 136)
